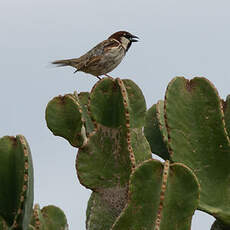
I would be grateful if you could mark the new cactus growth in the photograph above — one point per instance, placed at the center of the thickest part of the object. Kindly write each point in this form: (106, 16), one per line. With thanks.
(49, 218)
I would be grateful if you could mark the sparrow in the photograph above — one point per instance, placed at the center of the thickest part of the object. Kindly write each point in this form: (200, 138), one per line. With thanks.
(104, 57)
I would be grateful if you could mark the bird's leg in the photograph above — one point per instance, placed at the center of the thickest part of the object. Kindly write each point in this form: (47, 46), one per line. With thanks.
(98, 77)
(108, 75)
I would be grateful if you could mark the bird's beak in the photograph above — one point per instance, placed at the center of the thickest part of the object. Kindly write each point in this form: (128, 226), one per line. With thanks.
(133, 38)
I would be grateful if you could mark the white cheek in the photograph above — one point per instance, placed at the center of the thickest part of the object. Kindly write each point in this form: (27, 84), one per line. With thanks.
(125, 42)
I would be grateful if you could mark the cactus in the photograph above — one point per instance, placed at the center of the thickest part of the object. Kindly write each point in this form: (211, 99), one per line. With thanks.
(16, 190)
(111, 150)
(16, 182)
(130, 190)
(197, 123)
(189, 130)
(203, 141)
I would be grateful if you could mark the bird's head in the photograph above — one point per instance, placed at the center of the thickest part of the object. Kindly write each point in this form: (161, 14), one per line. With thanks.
(125, 38)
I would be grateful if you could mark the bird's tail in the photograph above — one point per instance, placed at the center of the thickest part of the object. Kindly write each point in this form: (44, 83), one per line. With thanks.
(67, 62)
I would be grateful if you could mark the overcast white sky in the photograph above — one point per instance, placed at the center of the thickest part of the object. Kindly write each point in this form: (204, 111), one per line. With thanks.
(179, 37)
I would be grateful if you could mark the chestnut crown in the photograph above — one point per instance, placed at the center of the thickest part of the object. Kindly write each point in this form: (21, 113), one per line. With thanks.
(125, 34)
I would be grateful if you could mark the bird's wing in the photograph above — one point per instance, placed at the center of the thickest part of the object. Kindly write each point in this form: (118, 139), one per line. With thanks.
(93, 56)
(93, 61)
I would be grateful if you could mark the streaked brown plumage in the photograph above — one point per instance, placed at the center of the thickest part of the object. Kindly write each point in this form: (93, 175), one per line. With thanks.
(104, 57)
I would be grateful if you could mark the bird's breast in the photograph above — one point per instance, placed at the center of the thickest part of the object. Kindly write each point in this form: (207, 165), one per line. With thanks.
(112, 58)
(115, 54)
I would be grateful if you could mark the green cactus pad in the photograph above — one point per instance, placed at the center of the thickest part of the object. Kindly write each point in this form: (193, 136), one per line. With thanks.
(16, 182)
(155, 130)
(198, 138)
(49, 218)
(108, 99)
(64, 118)
(106, 103)
(160, 197)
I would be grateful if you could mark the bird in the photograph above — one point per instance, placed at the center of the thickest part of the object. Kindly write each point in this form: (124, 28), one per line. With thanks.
(104, 57)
